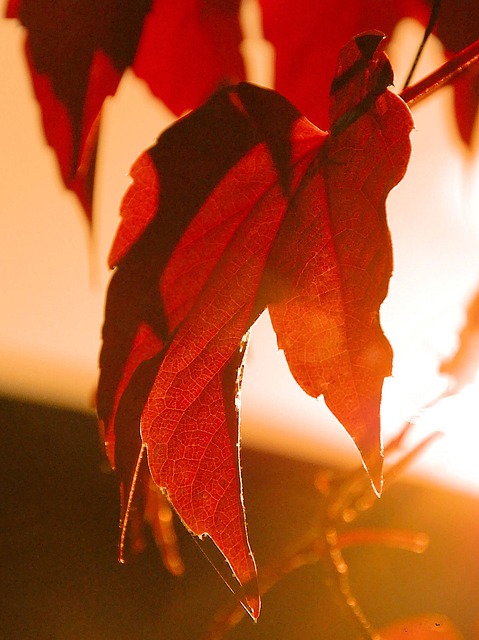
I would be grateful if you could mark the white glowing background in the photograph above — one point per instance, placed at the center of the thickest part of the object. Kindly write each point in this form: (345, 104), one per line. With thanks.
(53, 279)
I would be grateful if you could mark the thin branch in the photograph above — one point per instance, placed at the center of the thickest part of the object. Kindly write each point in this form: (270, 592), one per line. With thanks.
(339, 570)
(311, 550)
(454, 68)
(427, 32)
(415, 542)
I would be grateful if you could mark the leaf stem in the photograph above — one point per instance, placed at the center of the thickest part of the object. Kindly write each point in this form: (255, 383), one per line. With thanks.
(459, 64)
(427, 32)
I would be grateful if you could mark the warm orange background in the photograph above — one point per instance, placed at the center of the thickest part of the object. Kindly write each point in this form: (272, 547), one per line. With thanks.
(53, 273)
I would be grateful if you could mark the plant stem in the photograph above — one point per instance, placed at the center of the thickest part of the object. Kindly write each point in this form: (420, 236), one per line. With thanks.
(427, 32)
(446, 74)
(340, 582)
(310, 550)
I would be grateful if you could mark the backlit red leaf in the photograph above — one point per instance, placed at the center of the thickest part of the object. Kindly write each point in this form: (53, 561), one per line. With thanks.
(255, 207)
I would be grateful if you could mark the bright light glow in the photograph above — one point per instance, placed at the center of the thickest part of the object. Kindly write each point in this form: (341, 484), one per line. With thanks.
(455, 459)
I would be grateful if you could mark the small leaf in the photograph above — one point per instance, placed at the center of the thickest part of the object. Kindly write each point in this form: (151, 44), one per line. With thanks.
(256, 207)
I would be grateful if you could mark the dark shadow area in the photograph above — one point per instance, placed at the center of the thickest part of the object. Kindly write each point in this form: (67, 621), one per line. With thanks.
(60, 579)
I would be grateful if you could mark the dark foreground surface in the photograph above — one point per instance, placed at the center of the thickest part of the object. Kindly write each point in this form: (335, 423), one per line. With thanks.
(60, 580)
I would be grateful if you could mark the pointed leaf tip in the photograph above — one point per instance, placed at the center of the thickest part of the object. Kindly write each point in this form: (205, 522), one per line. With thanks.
(374, 468)
(252, 605)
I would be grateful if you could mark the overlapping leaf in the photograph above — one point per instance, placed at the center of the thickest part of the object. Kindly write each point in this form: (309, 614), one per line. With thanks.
(242, 205)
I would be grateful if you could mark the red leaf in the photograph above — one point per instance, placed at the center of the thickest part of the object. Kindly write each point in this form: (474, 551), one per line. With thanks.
(77, 53)
(256, 207)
